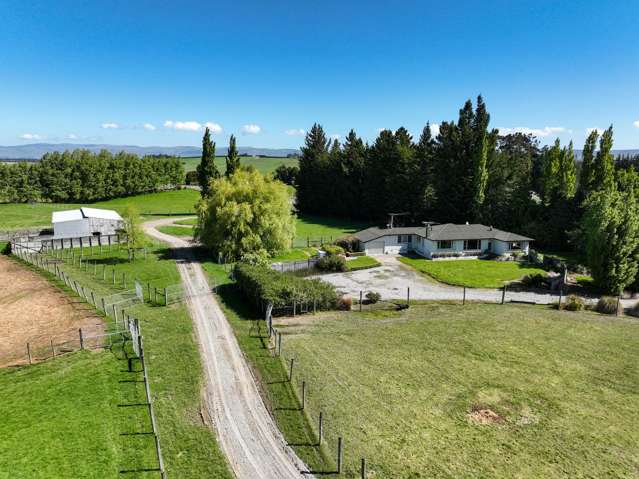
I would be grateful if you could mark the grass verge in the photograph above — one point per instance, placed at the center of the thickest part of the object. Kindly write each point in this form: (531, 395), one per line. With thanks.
(472, 273)
(362, 262)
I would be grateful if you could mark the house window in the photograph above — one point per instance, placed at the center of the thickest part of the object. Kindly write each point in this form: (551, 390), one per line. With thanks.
(399, 238)
(444, 244)
(515, 245)
(472, 244)
(410, 238)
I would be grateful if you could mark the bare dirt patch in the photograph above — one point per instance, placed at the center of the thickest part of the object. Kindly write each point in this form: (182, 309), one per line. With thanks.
(485, 416)
(34, 311)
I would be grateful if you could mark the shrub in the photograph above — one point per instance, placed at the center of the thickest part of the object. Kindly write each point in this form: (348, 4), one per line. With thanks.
(372, 297)
(345, 303)
(348, 243)
(332, 249)
(263, 285)
(536, 280)
(331, 263)
(574, 303)
(634, 311)
(607, 305)
(191, 178)
(5, 248)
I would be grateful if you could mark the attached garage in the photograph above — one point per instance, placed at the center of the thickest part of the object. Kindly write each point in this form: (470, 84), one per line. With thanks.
(374, 247)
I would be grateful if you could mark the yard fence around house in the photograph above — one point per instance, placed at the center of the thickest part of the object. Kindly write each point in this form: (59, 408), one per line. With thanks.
(125, 328)
(315, 241)
(293, 266)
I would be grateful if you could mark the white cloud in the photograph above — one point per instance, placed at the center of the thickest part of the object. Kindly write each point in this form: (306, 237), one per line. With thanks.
(183, 125)
(149, 127)
(545, 131)
(636, 123)
(251, 129)
(72, 136)
(598, 130)
(30, 136)
(335, 136)
(295, 132)
(110, 126)
(215, 128)
(434, 129)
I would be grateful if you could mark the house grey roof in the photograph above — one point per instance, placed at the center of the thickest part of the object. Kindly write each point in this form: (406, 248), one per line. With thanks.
(447, 231)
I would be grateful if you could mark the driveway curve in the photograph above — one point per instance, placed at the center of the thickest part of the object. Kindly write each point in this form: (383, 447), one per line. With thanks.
(246, 432)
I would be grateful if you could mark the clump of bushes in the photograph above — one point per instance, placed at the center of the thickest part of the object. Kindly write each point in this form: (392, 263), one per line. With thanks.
(536, 280)
(332, 250)
(372, 297)
(348, 243)
(607, 305)
(574, 303)
(263, 285)
(331, 263)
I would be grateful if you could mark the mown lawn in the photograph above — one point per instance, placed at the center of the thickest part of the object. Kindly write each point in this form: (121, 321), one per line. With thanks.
(474, 391)
(189, 446)
(472, 273)
(22, 215)
(64, 418)
(362, 262)
(263, 165)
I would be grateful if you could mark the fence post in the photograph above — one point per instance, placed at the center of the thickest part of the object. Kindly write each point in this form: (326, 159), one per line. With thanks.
(166, 298)
(340, 454)
(52, 349)
(290, 371)
(104, 305)
(81, 338)
(93, 298)
(148, 288)
(293, 308)
(114, 276)
(408, 297)
(618, 305)
(464, 298)
(363, 469)
(561, 294)
(360, 300)
(303, 395)
(320, 429)
(279, 343)
(29, 352)
(503, 295)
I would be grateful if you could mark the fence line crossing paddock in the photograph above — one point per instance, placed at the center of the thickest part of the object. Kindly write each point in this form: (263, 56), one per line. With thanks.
(127, 327)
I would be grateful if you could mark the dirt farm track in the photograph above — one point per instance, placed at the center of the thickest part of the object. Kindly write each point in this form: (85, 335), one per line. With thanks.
(34, 311)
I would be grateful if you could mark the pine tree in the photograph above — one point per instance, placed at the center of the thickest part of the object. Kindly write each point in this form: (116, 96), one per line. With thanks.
(206, 170)
(232, 158)
(480, 156)
(313, 164)
(604, 164)
(586, 176)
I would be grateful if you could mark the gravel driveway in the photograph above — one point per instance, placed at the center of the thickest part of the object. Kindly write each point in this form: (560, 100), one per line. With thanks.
(392, 280)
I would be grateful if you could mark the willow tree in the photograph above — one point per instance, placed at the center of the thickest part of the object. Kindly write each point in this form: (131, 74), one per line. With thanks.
(247, 215)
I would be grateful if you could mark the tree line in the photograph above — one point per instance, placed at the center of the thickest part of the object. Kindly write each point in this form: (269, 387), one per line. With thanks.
(82, 176)
(469, 172)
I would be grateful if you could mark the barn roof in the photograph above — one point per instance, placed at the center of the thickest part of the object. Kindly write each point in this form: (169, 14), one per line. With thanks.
(78, 214)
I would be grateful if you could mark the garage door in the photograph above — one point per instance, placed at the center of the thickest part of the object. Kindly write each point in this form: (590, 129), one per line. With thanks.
(375, 247)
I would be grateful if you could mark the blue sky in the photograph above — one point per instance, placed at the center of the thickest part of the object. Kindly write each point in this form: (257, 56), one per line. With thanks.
(151, 73)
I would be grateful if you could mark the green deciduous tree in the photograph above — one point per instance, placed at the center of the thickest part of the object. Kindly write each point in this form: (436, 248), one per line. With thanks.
(586, 176)
(132, 227)
(603, 175)
(246, 215)
(206, 170)
(610, 227)
(567, 173)
(232, 158)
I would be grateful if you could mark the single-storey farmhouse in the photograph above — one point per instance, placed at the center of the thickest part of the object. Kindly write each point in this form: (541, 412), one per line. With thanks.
(85, 222)
(438, 241)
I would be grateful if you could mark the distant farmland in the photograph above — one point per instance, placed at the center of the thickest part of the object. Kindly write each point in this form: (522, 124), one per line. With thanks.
(262, 164)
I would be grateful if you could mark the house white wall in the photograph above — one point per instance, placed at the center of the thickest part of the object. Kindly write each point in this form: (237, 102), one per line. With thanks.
(503, 247)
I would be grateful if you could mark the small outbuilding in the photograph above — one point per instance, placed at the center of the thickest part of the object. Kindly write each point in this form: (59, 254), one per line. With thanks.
(85, 222)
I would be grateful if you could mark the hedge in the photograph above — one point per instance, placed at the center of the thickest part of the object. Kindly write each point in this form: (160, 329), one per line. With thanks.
(263, 285)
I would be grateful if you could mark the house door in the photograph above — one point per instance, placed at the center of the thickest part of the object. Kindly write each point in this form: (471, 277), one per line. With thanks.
(375, 247)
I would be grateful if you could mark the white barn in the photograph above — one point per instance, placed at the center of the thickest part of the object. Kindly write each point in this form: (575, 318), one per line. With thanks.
(85, 222)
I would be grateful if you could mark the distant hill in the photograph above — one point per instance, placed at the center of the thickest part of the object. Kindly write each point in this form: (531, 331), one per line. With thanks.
(36, 150)
(614, 153)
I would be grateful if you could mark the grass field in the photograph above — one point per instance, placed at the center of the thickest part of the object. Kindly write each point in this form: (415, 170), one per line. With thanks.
(495, 391)
(189, 446)
(263, 165)
(176, 230)
(62, 419)
(22, 215)
(317, 227)
(472, 273)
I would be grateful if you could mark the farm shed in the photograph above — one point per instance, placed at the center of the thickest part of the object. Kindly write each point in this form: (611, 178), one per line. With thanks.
(85, 222)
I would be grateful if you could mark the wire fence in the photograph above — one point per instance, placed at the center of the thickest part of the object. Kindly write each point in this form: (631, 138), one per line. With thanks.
(125, 328)
(315, 241)
(293, 266)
